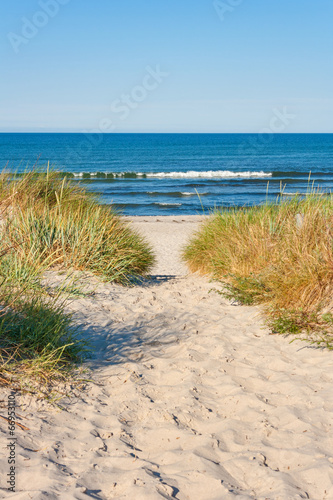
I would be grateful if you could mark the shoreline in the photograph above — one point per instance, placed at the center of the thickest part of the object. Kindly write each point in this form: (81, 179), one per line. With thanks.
(165, 218)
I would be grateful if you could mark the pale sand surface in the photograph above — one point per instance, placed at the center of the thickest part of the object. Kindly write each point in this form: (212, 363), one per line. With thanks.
(194, 400)
(167, 235)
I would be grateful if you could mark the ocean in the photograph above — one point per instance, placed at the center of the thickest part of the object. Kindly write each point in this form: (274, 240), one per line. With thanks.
(170, 174)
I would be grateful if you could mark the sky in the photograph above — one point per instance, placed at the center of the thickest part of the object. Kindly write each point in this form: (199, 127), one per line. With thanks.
(166, 66)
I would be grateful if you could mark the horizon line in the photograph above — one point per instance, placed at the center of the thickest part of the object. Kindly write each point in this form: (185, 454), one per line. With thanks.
(155, 133)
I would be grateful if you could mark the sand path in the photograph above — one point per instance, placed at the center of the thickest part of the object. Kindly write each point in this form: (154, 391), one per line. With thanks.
(195, 400)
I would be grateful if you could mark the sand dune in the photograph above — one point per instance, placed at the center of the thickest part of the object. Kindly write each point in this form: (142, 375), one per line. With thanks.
(192, 399)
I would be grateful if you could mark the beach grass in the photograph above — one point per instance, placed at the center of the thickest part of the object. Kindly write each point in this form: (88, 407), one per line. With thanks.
(50, 222)
(39, 345)
(277, 254)
(55, 221)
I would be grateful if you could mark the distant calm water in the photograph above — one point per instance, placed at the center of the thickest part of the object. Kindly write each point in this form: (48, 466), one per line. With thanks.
(163, 174)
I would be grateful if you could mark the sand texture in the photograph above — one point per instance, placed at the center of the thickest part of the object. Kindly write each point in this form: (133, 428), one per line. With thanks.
(192, 399)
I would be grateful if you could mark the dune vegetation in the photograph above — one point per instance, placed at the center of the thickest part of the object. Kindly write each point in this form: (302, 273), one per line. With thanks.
(277, 254)
(50, 222)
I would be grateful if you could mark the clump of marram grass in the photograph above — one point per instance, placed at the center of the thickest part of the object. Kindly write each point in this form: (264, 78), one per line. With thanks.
(48, 221)
(54, 220)
(279, 255)
(39, 345)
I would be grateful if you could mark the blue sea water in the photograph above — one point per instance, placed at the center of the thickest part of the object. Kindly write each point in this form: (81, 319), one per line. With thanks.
(168, 174)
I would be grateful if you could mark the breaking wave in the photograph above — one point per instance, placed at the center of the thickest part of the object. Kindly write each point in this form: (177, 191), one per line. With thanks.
(190, 174)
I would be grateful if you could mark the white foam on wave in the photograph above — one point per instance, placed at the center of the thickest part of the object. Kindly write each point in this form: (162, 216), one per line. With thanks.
(182, 193)
(193, 194)
(209, 174)
(168, 204)
(190, 174)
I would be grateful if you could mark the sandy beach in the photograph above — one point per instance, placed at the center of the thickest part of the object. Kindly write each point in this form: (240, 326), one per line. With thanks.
(191, 398)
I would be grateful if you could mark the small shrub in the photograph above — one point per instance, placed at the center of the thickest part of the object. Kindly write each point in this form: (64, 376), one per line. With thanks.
(246, 291)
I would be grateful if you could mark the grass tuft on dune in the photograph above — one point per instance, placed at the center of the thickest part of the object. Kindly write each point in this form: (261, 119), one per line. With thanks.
(55, 221)
(279, 255)
(48, 221)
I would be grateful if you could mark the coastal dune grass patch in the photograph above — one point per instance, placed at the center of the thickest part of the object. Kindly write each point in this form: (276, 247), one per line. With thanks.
(39, 345)
(59, 222)
(47, 221)
(277, 254)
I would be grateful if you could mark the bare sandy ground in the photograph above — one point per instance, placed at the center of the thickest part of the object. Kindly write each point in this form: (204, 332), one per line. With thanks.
(167, 235)
(192, 399)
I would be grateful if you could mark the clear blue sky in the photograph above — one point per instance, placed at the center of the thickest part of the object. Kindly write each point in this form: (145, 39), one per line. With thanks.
(227, 72)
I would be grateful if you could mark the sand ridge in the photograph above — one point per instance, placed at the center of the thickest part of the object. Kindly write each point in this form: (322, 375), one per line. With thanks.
(193, 399)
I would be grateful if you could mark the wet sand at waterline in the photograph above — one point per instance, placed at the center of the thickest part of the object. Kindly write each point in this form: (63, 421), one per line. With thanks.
(191, 397)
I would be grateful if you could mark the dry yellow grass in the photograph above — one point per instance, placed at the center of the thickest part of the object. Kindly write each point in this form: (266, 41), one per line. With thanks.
(277, 254)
